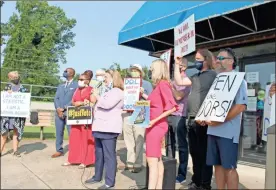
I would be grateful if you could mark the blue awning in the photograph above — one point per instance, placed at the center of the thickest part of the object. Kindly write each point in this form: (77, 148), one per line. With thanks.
(156, 17)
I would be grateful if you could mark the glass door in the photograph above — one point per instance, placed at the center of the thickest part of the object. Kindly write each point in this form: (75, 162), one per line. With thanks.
(259, 76)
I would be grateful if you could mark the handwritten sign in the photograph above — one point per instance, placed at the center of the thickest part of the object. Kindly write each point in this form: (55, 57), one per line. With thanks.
(166, 56)
(131, 93)
(15, 104)
(272, 113)
(79, 115)
(267, 113)
(141, 114)
(220, 97)
(184, 37)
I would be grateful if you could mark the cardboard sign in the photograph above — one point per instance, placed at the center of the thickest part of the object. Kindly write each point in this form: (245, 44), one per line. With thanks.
(272, 112)
(141, 114)
(131, 93)
(220, 97)
(15, 104)
(166, 56)
(79, 115)
(184, 37)
(267, 113)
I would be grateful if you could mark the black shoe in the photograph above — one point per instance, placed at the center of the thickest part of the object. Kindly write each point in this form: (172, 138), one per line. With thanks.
(205, 187)
(192, 185)
(105, 187)
(17, 154)
(92, 181)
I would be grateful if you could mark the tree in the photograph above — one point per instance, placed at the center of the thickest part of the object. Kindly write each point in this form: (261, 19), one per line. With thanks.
(37, 39)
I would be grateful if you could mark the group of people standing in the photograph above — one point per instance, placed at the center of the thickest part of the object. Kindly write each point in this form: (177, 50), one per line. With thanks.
(173, 108)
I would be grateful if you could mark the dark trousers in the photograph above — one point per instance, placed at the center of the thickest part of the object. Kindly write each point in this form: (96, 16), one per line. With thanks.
(198, 149)
(60, 126)
(177, 136)
(106, 156)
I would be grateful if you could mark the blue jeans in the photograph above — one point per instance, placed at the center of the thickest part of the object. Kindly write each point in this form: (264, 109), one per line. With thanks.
(60, 126)
(177, 136)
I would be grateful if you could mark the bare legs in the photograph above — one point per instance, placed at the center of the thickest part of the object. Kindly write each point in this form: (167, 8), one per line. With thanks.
(226, 177)
(3, 142)
(14, 143)
(156, 173)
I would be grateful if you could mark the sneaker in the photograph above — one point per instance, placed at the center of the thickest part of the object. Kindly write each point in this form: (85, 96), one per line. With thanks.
(17, 154)
(105, 187)
(192, 185)
(92, 181)
(205, 187)
(180, 179)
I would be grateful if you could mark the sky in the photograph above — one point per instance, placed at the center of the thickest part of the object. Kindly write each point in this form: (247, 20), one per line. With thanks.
(97, 29)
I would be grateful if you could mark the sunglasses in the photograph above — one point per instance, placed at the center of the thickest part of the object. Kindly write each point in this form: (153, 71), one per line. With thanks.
(82, 79)
(221, 58)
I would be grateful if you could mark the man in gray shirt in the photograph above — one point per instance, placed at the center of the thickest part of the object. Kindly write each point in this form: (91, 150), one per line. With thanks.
(201, 83)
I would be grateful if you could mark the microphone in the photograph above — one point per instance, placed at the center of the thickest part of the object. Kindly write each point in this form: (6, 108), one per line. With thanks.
(99, 85)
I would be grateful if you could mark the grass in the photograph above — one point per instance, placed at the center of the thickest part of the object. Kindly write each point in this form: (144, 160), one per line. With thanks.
(48, 133)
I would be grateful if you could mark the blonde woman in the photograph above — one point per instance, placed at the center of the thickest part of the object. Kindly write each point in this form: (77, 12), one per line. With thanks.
(162, 104)
(107, 126)
(13, 123)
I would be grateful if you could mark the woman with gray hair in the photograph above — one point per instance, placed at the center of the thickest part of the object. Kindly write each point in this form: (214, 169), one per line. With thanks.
(13, 123)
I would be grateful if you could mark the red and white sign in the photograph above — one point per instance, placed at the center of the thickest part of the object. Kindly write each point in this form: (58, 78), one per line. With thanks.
(184, 37)
(166, 56)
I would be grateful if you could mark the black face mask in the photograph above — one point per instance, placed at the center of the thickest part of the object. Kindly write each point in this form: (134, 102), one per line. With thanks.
(149, 74)
(15, 81)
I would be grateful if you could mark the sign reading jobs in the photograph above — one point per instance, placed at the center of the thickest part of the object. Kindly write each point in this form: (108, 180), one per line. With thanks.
(15, 104)
(184, 37)
(219, 99)
(131, 93)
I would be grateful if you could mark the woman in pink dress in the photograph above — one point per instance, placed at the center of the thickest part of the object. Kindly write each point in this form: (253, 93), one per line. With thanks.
(162, 104)
(81, 142)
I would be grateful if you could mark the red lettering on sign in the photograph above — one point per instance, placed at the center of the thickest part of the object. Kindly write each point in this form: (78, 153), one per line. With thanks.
(182, 28)
(184, 48)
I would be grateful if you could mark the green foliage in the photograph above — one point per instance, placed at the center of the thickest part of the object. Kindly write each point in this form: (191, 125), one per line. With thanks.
(37, 38)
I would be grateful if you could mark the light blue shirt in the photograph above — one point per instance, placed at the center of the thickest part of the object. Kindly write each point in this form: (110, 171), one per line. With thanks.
(231, 129)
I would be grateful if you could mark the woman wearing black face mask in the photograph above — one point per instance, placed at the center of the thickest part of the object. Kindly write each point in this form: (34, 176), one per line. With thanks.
(201, 82)
(13, 123)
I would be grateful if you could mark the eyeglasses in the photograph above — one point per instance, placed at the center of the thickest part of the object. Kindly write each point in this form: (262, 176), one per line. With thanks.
(221, 58)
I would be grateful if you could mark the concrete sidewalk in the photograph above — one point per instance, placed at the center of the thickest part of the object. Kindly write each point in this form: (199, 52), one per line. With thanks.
(37, 170)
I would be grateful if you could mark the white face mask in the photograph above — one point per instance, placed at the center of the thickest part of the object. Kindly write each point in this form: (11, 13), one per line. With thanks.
(100, 78)
(81, 84)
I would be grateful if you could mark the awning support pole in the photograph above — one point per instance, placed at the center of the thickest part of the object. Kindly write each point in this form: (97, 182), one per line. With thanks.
(254, 20)
(236, 22)
(206, 38)
(169, 44)
(152, 45)
(212, 32)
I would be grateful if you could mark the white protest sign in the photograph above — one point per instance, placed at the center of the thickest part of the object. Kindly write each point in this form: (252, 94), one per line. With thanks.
(252, 77)
(166, 56)
(131, 92)
(184, 37)
(267, 111)
(15, 104)
(219, 99)
(272, 112)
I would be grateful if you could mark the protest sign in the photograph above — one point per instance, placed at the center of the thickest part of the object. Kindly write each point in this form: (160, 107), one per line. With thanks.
(166, 56)
(184, 37)
(15, 104)
(79, 115)
(272, 112)
(141, 114)
(131, 92)
(219, 99)
(267, 113)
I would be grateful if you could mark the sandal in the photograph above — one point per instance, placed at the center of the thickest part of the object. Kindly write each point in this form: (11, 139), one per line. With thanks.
(82, 166)
(66, 164)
